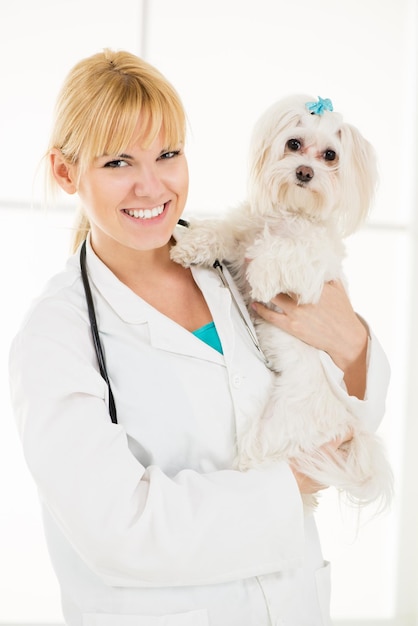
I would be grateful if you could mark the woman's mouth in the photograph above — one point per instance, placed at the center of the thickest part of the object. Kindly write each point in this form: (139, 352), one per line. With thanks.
(145, 214)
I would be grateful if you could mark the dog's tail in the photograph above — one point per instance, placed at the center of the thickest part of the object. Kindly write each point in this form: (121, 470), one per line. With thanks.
(359, 469)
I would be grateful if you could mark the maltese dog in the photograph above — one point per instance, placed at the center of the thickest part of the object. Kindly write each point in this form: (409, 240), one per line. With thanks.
(312, 180)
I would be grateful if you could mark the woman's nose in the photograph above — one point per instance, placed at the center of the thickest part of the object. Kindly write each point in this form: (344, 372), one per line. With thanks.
(148, 182)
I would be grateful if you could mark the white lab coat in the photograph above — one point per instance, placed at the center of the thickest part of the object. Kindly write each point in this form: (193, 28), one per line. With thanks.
(146, 522)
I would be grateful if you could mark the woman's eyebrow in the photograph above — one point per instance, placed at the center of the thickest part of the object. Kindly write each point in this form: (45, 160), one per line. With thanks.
(108, 155)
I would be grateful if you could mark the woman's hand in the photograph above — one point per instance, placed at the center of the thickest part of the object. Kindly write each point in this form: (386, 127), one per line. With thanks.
(330, 325)
(306, 484)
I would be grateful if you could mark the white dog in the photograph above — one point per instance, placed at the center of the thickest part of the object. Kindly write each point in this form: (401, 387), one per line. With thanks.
(312, 180)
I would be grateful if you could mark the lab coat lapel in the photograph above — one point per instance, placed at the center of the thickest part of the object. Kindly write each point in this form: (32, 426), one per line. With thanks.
(164, 334)
(219, 302)
(167, 335)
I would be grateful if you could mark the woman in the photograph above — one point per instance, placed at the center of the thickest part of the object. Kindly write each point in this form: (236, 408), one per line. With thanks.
(146, 521)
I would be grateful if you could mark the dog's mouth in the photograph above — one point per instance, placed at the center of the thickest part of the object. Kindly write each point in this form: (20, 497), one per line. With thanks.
(303, 198)
(308, 185)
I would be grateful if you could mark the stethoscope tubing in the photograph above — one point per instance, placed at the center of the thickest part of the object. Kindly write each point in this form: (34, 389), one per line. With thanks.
(95, 330)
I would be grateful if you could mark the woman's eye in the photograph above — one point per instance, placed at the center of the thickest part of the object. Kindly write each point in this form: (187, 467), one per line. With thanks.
(116, 163)
(294, 144)
(169, 154)
(329, 155)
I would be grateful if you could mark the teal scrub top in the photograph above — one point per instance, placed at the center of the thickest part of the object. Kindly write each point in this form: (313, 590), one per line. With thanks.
(209, 335)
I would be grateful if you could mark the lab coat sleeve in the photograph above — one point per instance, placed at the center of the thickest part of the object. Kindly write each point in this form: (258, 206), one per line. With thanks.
(135, 526)
(372, 409)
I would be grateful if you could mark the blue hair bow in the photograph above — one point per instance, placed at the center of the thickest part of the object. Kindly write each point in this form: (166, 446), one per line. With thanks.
(319, 108)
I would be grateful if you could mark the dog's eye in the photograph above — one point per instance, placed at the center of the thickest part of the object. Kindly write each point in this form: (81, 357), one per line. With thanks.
(294, 144)
(329, 155)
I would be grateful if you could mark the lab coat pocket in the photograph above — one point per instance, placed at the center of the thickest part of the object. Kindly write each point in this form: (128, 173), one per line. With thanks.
(191, 618)
(323, 589)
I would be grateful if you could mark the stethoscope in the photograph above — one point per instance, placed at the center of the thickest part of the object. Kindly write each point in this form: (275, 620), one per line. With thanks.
(217, 266)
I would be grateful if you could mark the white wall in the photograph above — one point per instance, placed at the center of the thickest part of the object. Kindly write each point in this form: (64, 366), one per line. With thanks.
(229, 59)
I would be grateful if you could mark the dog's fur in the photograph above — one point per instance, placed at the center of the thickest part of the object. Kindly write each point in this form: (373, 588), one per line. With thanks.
(312, 181)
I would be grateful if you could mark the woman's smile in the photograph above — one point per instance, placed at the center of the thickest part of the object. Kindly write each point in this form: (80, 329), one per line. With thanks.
(146, 214)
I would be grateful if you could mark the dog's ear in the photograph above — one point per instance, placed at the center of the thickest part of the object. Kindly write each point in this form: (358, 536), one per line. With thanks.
(260, 157)
(358, 171)
(267, 146)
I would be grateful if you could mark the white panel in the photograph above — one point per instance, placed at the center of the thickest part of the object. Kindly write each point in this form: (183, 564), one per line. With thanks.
(364, 550)
(39, 43)
(230, 59)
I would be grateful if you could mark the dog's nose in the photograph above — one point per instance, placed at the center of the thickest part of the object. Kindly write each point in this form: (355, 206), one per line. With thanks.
(304, 173)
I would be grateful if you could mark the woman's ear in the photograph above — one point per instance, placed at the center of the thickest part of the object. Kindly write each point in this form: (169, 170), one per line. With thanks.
(63, 172)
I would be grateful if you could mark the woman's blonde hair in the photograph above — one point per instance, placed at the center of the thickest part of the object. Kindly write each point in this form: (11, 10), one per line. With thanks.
(98, 108)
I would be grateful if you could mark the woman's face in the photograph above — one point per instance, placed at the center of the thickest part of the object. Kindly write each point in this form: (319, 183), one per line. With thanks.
(134, 199)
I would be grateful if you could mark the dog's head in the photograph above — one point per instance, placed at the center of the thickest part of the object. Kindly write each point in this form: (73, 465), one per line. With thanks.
(311, 163)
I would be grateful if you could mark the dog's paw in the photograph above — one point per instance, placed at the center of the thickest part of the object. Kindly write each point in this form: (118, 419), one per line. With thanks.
(263, 282)
(260, 294)
(183, 255)
(201, 244)
(191, 250)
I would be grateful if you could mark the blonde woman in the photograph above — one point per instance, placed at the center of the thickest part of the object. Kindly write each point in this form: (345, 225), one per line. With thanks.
(132, 375)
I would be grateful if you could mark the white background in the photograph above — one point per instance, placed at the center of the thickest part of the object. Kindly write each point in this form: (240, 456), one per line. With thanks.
(229, 59)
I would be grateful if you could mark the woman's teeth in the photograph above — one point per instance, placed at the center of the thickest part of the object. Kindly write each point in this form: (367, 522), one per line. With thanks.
(145, 214)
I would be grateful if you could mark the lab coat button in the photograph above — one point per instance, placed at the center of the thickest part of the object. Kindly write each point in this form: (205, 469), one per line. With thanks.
(236, 380)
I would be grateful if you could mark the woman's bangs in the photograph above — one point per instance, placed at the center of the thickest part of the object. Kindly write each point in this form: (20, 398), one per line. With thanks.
(174, 124)
(116, 134)
(112, 133)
